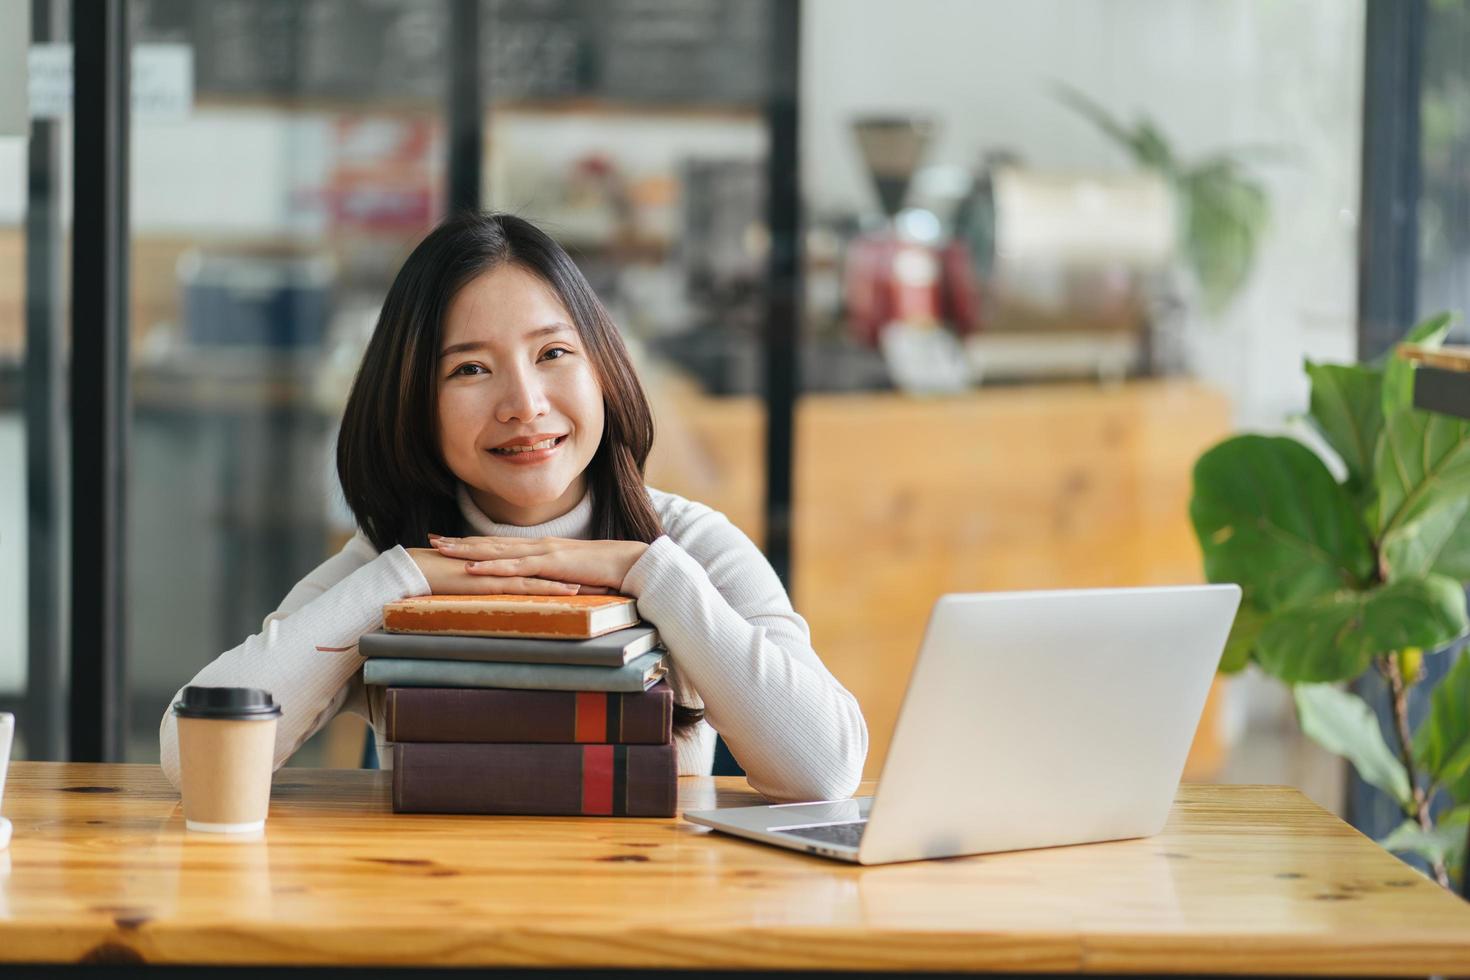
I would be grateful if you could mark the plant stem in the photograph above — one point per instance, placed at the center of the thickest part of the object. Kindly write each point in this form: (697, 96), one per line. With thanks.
(1390, 667)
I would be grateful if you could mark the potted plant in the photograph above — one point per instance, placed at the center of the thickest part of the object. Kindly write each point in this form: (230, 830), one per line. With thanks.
(1223, 207)
(1360, 572)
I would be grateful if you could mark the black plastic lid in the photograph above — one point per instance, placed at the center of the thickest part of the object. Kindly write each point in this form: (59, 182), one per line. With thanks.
(227, 702)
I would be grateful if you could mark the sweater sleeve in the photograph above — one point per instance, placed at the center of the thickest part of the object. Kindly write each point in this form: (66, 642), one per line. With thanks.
(732, 633)
(306, 651)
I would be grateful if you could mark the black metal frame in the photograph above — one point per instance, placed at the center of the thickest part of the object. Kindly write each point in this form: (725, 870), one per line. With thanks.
(466, 106)
(42, 714)
(99, 294)
(783, 279)
(1388, 229)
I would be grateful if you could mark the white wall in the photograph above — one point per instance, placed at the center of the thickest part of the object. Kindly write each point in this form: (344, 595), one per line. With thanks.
(220, 172)
(1211, 73)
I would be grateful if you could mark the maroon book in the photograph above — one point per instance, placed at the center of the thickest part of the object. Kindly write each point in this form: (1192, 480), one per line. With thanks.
(535, 780)
(456, 714)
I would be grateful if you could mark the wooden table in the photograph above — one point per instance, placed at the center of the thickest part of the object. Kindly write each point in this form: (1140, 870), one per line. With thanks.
(1245, 879)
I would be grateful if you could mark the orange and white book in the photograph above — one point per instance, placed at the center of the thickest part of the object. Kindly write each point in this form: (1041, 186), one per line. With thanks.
(552, 617)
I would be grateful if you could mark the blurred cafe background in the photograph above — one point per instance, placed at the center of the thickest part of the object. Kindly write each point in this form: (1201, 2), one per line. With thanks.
(929, 296)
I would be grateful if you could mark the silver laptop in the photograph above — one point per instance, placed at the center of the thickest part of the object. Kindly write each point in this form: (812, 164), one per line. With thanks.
(1031, 719)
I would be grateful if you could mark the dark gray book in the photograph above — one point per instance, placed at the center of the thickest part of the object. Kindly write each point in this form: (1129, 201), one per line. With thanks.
(466, 714)
(639, 675)
(556, 780)
(609, 650)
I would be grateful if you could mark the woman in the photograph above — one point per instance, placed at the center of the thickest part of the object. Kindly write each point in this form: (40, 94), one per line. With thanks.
(494, 442)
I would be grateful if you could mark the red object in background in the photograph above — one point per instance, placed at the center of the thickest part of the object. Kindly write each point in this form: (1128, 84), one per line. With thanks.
(888, 279)
(384, 174)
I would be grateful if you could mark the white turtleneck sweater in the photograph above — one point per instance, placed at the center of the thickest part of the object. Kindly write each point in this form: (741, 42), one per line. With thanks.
(736, 648)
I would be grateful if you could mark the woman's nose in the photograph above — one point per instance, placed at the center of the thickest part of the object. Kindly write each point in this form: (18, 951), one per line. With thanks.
(522, 398)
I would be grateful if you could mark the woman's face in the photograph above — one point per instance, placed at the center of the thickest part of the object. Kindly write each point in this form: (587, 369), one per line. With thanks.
(513, 372)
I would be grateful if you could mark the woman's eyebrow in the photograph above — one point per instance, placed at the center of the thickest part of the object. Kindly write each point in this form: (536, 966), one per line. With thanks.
(470, 345)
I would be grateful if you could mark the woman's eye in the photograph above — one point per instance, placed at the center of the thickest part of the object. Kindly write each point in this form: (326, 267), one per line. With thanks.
(555, 350)
(465, 369)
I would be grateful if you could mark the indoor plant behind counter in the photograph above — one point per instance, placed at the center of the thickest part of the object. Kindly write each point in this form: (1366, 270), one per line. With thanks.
(1358, 574)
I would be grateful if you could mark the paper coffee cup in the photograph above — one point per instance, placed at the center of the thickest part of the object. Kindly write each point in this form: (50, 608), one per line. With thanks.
(227, 739)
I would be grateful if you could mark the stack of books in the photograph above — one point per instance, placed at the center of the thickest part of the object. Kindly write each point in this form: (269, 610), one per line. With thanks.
(549, 705)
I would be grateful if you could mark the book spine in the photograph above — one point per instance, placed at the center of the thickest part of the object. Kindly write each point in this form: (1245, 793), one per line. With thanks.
(499, 649)
(535, 780)
(574, 624)
(438, 714)
(634, 677)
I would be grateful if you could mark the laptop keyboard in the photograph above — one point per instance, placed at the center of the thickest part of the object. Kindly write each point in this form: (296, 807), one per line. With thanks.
(832, 833)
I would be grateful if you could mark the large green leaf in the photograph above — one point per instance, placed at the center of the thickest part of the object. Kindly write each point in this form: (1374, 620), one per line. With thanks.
(1438, 542)
(1423, 461)
(1398, 374)
(1335, 637)
(1445, 843)
(1270, 516)
(1459, 789)
(1343, 724)
(1243, 635)
(1442, 743)
(1347, 409)
(1454, 560)
(1226, 213)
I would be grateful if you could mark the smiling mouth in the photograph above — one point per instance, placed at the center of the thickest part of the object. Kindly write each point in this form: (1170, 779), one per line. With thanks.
(534, 447)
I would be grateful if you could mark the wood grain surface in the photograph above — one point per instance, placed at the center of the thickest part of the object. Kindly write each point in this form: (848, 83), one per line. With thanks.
(1244, 879)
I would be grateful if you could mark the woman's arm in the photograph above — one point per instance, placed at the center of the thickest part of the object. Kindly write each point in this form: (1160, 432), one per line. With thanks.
(731, 631)
(306, 651)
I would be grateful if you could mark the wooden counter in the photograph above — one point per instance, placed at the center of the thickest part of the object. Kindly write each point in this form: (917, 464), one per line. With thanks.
(1242, 880)
(900, 499)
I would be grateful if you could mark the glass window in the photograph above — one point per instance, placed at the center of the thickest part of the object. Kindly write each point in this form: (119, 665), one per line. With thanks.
(634, 132)
(1054, 252)
(13, 530)
(35, 192)
(269, 216)
(1444, 207)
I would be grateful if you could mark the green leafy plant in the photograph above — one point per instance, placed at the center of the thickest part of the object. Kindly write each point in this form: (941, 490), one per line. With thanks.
(1225, 208)
(1366, 572)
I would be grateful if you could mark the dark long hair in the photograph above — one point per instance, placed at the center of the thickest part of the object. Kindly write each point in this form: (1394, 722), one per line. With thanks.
(392, 472)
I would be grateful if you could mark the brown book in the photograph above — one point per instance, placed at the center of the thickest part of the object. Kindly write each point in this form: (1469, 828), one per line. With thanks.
(565, 617)
(535, 780)
(452, 714)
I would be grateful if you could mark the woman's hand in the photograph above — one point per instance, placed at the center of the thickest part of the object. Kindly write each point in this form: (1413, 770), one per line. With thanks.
(447, 576)
(593, 566)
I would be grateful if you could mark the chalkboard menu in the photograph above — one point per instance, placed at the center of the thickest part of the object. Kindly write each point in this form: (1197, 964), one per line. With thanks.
(714, 52)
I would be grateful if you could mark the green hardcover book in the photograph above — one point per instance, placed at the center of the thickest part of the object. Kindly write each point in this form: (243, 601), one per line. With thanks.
(639, 675)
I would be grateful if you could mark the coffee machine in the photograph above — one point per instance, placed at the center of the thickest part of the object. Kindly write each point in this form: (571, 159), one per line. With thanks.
(892, 276)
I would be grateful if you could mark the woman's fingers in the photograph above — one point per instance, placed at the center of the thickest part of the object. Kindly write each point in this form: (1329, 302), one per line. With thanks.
(507, 566)
(447, 576)
(600, 563)
(482, 549)
(519, 585)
